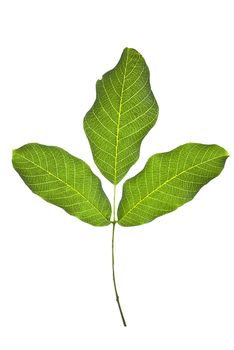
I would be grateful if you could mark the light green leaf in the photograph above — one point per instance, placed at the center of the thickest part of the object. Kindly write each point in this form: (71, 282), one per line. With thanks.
(168, 181)
(124, 111)
(63, 180)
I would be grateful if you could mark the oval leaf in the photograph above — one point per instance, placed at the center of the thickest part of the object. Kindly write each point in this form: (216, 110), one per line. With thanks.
(168, 181)
(63, 180)
(124, 111)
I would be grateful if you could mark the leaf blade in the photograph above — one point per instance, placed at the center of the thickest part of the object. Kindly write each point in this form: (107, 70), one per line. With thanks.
(168, 181)
(63, 180)
(123, 113)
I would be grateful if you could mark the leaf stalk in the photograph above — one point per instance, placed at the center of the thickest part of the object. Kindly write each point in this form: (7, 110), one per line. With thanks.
(114, 221)
(113, 274)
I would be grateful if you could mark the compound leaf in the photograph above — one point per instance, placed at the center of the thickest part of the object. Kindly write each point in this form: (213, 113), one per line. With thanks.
(63, 180)
(168, 181)
(124, 111)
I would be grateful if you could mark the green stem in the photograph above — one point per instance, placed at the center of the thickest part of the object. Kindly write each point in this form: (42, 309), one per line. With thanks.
(113, 273)
(113, 260)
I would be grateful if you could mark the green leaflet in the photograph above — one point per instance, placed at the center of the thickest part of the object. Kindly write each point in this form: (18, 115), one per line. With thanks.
(63, 180)
(168, 181)
(124, 111)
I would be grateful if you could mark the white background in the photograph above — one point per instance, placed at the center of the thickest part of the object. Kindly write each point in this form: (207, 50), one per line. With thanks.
(175, 275)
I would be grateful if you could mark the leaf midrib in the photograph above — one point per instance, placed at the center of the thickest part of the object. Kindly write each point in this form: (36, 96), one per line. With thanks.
(118, 120)
(72, 188)
(167, 181)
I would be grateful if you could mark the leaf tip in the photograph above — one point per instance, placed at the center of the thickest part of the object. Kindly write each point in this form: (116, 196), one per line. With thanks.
(131, 50)
(13, 153)
(226, 153)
